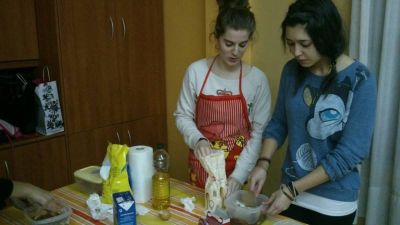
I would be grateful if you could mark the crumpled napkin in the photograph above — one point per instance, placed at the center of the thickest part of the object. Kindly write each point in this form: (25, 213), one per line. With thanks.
(188, 203)
(98, 210)
(101, 211)
(141, 210)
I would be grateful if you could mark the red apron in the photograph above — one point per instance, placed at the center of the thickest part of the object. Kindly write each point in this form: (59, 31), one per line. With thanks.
(224, 121)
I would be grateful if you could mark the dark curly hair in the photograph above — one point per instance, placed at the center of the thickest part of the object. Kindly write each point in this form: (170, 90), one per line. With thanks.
(324, 26)
(234, 14)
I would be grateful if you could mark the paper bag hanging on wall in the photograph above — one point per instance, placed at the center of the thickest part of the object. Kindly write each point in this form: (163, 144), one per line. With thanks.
(50, 120)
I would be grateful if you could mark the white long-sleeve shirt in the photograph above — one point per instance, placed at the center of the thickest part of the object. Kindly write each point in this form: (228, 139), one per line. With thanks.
(255, 89)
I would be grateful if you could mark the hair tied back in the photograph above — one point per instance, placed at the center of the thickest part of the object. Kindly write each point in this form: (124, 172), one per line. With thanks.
(226, 4)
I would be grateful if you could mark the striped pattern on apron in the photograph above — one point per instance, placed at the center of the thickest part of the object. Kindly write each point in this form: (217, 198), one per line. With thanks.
(224, 121)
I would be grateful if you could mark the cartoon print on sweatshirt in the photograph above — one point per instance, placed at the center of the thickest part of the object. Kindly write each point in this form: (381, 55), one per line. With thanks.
(328, 116)
(305, 158)
(329, 113)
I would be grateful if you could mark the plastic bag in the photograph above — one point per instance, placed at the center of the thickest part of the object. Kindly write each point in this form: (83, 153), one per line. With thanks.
(118, 180)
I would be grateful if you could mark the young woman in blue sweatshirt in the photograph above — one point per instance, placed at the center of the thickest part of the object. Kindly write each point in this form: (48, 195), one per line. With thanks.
(326, 109)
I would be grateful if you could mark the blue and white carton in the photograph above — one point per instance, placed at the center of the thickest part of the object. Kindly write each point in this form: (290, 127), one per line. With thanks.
(124, 208)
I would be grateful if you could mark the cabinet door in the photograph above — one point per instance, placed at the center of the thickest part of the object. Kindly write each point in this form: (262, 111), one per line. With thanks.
(27, 163)
(43, 164)
(148, 131)
(90, 147)
(5, 163)
(54, 163)
(89, 63)
(18, 40)
(141, 58)
(46, 18)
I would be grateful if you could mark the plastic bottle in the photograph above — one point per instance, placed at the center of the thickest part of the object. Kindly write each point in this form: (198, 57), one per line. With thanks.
(161, 186)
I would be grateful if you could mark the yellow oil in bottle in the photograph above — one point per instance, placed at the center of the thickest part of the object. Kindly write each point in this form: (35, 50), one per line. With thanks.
(161, 186)
(161, 191)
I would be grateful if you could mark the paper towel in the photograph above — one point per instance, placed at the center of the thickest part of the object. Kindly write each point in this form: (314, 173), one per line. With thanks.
(141, 169)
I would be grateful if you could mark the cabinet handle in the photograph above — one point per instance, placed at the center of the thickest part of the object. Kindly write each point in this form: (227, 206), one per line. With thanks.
(112, 27)
(7, 170)
(130, 138)
(124, 27)
(119, 139)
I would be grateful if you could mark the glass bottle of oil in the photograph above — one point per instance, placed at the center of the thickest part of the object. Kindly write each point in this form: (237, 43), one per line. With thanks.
(161, 187)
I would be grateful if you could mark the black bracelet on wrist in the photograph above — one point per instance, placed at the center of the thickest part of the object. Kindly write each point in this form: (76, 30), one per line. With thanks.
(201, 139)
(296, 192)
(264, 159)
(292, 189)
(291, 198)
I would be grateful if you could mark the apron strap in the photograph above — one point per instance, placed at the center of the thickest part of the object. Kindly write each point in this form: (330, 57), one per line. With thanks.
(209, 71)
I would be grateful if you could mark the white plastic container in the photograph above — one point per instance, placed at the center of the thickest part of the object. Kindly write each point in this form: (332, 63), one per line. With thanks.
(242, 205)
(89, 179)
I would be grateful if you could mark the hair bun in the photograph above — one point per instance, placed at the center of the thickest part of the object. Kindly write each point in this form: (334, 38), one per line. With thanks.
(224, 4)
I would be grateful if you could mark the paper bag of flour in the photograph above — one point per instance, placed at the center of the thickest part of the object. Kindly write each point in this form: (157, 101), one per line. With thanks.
(216, 184)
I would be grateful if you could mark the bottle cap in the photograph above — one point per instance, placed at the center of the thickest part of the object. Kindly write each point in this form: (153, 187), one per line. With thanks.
(160, 146)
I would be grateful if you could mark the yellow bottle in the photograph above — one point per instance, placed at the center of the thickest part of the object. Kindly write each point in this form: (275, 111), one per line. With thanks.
(161, 186)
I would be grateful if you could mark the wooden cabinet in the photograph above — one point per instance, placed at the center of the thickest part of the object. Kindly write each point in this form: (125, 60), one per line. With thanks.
(141, 58)
(18, 40)
(109, 58)
(148, 131)
(39, 160)
(88, 41)
(90, 147)
(43, 163)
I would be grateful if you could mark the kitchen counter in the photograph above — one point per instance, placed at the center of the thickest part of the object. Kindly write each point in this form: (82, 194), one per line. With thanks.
(73, 196)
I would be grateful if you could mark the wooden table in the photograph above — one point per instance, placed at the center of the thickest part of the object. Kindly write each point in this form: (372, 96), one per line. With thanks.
(76, 198)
